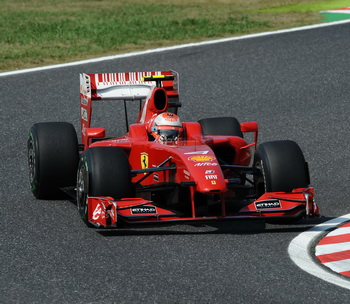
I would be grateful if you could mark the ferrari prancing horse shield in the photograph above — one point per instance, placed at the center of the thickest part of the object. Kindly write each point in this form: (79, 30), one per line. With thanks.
(144, 160)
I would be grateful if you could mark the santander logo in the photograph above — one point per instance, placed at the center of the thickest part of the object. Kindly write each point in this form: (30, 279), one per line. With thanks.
(201, 158)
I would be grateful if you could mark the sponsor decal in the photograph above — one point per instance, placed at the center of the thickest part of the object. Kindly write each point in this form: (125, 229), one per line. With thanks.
(97, 212)
(169, 117)
(205, 164)
(144, 160)
(110, 213)
(84, 101)
(156, 177)
(201, 158)
(143, 210)
(125, 82)
(187, 174)
(84, 130)
(211, 177)
(85, 85)
(84, 114)
(198, 152)
(209, 171)
(267, 204)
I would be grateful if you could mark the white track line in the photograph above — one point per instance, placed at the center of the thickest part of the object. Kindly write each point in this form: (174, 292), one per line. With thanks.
(176, 47)
(300, 252)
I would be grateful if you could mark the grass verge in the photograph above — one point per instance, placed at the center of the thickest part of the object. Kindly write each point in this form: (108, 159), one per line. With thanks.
(41, 32)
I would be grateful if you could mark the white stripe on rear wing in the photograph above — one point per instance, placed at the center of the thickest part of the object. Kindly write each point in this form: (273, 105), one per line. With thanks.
(124, 86)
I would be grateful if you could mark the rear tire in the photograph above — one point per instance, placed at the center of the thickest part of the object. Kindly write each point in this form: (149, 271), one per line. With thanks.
(102, 171)
(53, 155)
(224, 126)
(227, 126)
(282, 167)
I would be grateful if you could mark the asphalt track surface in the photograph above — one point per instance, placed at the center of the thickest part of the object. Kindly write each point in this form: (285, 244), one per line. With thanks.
(295, 85)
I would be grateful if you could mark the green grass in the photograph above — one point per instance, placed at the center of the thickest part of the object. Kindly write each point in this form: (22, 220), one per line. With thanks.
(310, 7)
(40, 32)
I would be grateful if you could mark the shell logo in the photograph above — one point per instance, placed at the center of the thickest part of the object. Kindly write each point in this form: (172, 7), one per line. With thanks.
(201, 158)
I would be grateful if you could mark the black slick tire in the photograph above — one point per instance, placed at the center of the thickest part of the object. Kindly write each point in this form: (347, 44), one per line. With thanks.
(281, 166)
(53, 156)
(226, 126)
(102, 171)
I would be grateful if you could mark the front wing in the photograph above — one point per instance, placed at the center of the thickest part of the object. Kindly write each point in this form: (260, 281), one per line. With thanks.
(105, 212)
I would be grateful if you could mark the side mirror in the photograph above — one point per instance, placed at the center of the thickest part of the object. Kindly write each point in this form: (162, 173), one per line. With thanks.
(95, 132)
(249, 126)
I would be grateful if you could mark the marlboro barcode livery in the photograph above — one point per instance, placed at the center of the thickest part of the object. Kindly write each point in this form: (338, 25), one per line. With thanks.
(165, 170)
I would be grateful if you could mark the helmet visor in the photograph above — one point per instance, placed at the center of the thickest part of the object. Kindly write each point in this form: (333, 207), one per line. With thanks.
(168, 135)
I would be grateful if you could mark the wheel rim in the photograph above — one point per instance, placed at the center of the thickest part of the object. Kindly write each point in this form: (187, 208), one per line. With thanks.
(31, 161)
(260, 183)
(82, 191)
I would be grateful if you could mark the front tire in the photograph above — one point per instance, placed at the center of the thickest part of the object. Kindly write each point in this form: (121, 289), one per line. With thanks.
(281, 166)
(53, 156)
(102, 171)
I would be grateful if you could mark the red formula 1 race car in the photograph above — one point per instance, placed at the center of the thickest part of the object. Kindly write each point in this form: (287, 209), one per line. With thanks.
(164, 170)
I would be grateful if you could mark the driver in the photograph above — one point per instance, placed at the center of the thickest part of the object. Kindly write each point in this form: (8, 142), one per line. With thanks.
(166, 127)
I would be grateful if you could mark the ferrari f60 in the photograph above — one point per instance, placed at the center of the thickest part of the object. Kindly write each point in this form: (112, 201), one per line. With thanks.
(164, 170)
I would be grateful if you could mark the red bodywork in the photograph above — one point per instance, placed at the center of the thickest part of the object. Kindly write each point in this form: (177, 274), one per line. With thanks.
(208, 190)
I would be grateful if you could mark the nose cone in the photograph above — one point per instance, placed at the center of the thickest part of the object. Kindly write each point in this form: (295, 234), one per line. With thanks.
(211, 182)
(207, 174)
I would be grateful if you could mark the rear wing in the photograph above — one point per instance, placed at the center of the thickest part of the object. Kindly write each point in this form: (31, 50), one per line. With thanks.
(127, 86)
(124, 86)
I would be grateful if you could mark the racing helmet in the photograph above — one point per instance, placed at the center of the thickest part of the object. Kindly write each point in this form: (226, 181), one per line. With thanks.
(166, 127)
